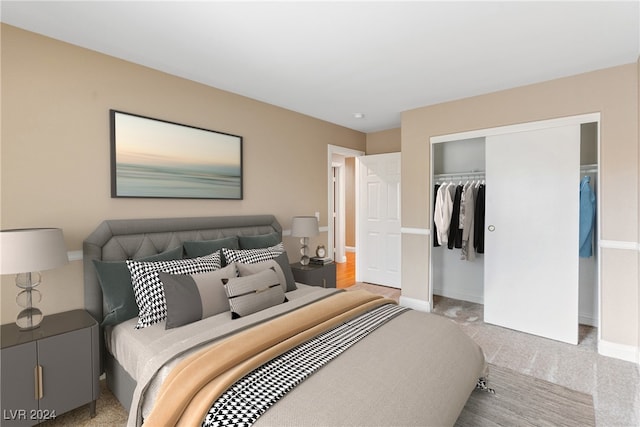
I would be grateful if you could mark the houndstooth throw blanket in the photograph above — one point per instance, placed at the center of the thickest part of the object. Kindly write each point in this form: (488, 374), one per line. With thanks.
(252, 395)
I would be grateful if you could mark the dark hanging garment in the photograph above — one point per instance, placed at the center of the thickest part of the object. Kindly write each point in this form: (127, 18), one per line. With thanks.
(478, 238)
(459, 233)
(455, 221)
(435, 229)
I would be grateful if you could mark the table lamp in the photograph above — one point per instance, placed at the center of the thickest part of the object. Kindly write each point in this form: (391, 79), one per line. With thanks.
(26, 252)
(304, 227)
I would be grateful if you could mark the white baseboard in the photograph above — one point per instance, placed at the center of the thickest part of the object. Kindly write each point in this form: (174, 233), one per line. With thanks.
(415, 304)
(625, 352)
(478, 299)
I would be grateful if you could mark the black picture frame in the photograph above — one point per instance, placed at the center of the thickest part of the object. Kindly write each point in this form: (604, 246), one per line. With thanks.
(154, 158)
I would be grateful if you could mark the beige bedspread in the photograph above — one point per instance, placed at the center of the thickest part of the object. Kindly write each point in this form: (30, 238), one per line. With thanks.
(418, 369)
(192, 386)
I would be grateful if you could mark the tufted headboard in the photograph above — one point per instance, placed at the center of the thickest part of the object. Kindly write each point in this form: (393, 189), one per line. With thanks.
(122, 239)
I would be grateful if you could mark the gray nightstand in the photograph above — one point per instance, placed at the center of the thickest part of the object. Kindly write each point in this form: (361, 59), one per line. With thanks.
(49, 370)
(316, 275)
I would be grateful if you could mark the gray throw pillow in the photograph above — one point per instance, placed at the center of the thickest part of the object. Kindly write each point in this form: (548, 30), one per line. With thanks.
(259, 241)
(250, 294)
(117, 290)
(148, 289)
(193, 297)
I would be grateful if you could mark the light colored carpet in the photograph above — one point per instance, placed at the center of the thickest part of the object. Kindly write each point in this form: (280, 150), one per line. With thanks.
(522, 400)
(109, 413)
(613, 383)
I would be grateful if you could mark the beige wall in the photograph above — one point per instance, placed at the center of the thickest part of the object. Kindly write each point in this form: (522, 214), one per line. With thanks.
(55, 150)
(612, 92)
(386, 141)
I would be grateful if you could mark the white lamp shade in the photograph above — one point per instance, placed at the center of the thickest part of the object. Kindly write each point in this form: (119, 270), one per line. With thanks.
(304, 226)
(31, 249)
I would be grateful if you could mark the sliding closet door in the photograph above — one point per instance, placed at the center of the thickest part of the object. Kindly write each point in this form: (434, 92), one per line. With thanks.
(531, 232)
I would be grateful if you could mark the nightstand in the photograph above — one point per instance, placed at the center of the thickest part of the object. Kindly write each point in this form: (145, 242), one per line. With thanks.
(315, 275)
(49, 370)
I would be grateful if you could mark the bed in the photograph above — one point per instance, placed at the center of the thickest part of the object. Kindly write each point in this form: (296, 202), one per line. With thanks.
(309, 356)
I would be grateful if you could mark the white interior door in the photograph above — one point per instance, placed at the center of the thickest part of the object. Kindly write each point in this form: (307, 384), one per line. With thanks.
(378, 220)
(531, 232)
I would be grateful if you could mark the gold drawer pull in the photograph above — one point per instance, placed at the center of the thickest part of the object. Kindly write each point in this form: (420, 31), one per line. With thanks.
(38, 381)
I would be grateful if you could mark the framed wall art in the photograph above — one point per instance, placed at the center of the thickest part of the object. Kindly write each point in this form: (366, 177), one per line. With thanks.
(161, 159)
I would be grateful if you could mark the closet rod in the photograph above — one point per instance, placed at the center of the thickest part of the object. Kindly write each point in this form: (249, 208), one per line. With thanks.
(480, 174)
(588, 168)
(459, 175)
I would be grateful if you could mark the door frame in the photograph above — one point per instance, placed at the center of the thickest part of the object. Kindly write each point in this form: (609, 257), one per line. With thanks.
(524, 127)
(334, 151)
(339, 211)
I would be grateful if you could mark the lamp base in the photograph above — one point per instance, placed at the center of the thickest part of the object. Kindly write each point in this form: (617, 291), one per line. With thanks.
(29, 318)
(304, 251)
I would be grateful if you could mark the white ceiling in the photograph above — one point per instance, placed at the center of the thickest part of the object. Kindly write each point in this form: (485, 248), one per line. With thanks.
(332, 59)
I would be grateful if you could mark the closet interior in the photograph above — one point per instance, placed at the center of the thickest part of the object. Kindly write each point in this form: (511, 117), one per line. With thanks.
(457, 275)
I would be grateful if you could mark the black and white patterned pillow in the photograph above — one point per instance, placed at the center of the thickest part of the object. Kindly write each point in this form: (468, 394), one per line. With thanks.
(147, 286)
(251, 256)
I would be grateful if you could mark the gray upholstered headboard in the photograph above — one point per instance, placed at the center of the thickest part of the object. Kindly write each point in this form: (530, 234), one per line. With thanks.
(122, 239)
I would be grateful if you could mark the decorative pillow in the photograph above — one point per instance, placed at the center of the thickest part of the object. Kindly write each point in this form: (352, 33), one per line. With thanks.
(281, 265)
(260, 241)
(250, 294)
(198, 248)
(193, 297)
(147, 286)
(251, 256)
(117, 289)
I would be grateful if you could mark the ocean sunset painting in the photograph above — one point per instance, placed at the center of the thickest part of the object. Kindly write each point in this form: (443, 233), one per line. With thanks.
(155, 158)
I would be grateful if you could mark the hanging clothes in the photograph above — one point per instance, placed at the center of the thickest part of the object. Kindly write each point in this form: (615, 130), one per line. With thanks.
(478, 239)
(442, 215)
(453, 240)
(435, 206)
(458, 242)
(587, 217)
(468, 253)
